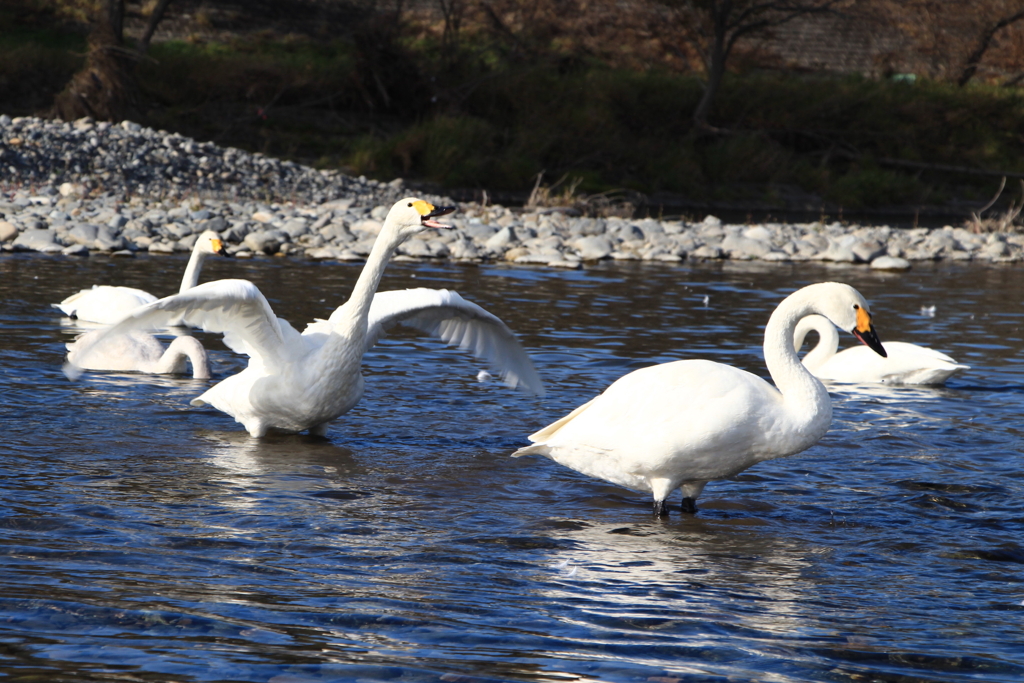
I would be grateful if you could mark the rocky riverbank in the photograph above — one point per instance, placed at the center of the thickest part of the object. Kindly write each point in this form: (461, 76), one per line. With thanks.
(77, 188)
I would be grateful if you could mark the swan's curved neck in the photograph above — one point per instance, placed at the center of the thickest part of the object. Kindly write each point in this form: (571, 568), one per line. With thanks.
(801, 391)
(352, 322)
(191, 277)
(828, 340)
(173, 359)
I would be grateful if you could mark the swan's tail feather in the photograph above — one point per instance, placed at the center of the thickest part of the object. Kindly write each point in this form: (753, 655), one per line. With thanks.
(549, 431)
(535, 449)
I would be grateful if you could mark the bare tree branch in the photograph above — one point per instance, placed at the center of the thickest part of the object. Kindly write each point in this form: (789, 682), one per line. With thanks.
(731, 20)
(154, 18)
(984, 42)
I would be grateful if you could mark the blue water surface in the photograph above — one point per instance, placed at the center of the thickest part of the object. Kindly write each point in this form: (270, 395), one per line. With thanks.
(142, 539)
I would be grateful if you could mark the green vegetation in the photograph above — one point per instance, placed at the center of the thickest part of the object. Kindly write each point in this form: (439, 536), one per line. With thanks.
(491, 122)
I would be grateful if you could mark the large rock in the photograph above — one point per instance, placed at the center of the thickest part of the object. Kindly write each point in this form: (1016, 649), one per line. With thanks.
(108, 240)
(650, 227)
(739, 247)
(295, 228)
(586, 227)
(463, 249)
(890, 263)
(323, 253)
(265, 241)
(838, 252)
(627, 232)
(368, 226)
(216, 223)
(594, 248)
(423, 249)
(501, 240)
(707, 251)
(38, 240)
(867, 250)
(7, 231)
(480, 231)
(758, 232)
(83, 233)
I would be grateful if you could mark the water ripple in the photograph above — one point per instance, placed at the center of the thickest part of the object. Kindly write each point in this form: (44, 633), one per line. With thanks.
(142, 539)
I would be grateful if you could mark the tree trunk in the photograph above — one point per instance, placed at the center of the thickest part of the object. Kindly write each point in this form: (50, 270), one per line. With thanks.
(154, 18)
(716, 65)
(105, 88)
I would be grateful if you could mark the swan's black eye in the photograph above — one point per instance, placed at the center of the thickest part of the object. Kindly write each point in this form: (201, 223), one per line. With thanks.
(856, 307)
(410, 204)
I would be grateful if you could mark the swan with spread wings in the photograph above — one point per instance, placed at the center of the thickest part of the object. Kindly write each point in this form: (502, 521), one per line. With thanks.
(297, 382)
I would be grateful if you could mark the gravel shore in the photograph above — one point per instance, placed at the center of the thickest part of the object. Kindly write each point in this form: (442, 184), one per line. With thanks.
(83, 187)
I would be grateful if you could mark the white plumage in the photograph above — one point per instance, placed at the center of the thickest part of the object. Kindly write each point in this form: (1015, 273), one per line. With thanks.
(107, 304)
(904, 363)
(142, 352)
(296, 382)
(685, 423)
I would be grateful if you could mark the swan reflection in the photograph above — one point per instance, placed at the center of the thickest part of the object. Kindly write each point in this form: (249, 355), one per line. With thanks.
(710, 580)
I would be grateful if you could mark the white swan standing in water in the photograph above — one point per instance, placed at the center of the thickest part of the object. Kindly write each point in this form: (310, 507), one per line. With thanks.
(107, 304)
(296, 382)
(685, 423)
(904, 363)
(141, 352)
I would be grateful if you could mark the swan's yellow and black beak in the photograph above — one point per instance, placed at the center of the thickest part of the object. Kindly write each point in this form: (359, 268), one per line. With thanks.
(218, 247)
(428, 212)
(865, 332)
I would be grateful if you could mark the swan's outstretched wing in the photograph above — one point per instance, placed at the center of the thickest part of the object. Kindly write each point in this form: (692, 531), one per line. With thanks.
(457, 322)
(235, 308)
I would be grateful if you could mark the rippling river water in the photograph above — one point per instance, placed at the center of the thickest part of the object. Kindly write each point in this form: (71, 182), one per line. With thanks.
(145, 540)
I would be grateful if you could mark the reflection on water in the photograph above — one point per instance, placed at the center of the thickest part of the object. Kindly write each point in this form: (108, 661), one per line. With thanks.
(143, 539)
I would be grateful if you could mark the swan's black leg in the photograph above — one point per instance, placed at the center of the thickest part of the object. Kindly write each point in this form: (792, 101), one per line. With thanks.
(660, 509)
(689, 506)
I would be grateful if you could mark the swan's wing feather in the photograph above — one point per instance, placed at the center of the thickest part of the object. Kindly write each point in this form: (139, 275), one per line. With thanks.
(235, 308)
(317, 331)
(457, 322)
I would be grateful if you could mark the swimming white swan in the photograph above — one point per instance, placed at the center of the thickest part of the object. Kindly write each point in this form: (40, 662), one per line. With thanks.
(296, 382)
(904, 363)
(106, 304)
(141, 352)
(684, 423)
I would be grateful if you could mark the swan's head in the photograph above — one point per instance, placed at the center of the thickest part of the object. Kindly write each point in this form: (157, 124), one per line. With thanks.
(210, 243)
(847, 309)
(411, 215)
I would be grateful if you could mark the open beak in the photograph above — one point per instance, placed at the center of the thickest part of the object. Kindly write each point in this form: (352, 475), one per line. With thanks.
(865, 332)
(428, 220)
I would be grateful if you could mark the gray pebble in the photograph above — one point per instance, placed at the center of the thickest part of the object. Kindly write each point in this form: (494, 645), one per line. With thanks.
(121, 188)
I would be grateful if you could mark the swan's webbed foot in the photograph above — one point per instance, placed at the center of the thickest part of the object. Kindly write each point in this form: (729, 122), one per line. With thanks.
(660, 509)
(689, 506)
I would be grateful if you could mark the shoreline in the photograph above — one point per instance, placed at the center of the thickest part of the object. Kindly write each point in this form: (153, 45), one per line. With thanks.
(83, 187)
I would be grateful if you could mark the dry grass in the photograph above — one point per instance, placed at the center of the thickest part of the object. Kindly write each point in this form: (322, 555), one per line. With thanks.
(564, 193)
(1004, 221)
